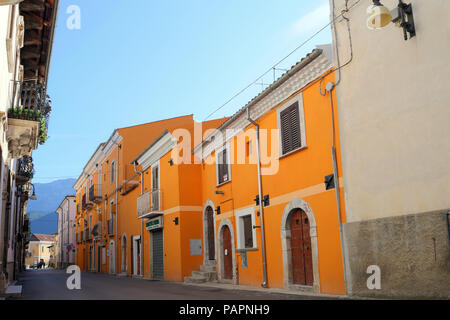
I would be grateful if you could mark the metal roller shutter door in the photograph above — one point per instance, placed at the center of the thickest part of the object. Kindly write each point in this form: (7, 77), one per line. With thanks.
(158, 255)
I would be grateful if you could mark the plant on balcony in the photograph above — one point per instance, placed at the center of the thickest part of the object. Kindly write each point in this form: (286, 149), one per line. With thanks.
(42, 131)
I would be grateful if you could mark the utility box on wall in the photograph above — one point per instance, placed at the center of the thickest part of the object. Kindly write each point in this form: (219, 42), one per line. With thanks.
(196, 247)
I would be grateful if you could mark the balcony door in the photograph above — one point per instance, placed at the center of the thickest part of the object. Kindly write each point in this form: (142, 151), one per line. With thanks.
(155, 188)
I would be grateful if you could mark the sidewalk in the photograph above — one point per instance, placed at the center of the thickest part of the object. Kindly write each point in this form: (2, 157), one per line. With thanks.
(227, 286)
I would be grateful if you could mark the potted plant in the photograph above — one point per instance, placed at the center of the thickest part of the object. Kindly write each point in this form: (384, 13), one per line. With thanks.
(20, 113)
(42, 131)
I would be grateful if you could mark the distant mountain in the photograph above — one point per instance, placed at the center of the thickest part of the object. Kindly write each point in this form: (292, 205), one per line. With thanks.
(42, 212)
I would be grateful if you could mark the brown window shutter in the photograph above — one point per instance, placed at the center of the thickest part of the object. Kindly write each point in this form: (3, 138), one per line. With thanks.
(290, 128)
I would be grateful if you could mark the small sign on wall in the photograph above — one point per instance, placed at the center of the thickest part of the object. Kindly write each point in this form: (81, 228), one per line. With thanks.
(196, 247)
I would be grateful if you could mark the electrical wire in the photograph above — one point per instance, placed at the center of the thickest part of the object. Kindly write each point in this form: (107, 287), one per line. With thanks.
(291, 53)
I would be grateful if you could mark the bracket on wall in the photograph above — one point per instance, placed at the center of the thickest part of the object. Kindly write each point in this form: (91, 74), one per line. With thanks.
(266, 200)
(404, 18)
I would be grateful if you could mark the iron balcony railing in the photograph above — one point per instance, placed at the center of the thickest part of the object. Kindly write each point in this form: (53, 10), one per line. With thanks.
(149, 203)
(31, 102)
(25, 170)
(95, 194)
(111, 227)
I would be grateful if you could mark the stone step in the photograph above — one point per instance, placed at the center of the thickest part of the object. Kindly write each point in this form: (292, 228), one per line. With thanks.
(208, 268)
(194, 280)
(209, 276)
(13, 291)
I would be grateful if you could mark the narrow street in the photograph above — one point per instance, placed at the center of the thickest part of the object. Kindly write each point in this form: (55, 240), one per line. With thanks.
(51, 285)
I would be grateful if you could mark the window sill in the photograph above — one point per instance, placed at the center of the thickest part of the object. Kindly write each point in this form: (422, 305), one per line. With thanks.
(222, 184)
(246, 249)
(291, 152)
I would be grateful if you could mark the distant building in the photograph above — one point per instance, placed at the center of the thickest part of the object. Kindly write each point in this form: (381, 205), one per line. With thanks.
(65, 244)
(39, 247)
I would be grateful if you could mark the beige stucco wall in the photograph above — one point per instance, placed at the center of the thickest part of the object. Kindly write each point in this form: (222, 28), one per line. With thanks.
(394, 111)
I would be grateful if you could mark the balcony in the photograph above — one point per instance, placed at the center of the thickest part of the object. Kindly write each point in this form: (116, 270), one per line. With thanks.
(149, 204)
(25, 170)
(111, 227)
(27, 118)
(95, 194)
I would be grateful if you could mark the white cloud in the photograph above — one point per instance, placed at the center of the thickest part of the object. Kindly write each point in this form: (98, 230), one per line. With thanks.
(310, 22)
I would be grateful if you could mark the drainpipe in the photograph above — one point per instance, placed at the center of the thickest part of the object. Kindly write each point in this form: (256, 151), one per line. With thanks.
(263, 240)
(142, 222)
(329, 87)
(116, 249)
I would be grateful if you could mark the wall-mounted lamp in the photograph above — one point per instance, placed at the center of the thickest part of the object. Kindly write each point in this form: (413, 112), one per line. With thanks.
(256, 200)
(171, 162)
(218, 210)
(175, 221)
(379, 17)
(33, 196)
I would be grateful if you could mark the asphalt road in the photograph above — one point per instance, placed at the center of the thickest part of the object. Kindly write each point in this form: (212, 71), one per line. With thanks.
(51, 285)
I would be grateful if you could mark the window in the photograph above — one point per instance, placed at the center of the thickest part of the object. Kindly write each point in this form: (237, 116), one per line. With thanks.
(291, 125)
(248, 226)
(223, 166)
(113, 164)
(246, 234)
(249, 148)
(290, 128)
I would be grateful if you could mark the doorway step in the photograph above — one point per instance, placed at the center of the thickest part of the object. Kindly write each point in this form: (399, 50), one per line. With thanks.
(207, 273)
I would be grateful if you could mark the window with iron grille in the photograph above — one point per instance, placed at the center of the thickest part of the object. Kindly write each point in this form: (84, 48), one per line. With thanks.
(290, 128)
(248, 231)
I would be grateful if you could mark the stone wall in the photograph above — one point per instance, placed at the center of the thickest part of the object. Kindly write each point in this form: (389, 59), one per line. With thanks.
(412, 251)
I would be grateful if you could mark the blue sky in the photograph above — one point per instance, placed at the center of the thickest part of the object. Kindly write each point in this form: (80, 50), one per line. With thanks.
(140, 61)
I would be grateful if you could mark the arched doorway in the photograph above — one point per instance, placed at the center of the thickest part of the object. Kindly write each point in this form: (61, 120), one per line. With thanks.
(124, 266)
(301, 251)
(210, 233)
(226, 252)
(299, 246)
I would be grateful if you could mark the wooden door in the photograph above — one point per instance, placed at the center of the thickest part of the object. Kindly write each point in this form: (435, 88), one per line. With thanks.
(210, 235)
(302, 270)
(227, 254)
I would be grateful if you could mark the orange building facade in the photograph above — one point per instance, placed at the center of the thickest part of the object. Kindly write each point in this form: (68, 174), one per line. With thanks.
(183, 201)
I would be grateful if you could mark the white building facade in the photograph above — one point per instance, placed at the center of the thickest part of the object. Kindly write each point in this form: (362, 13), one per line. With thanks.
(393, 102)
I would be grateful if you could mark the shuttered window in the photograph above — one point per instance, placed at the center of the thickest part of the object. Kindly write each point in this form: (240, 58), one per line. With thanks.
(222, 166)
(290, 128)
